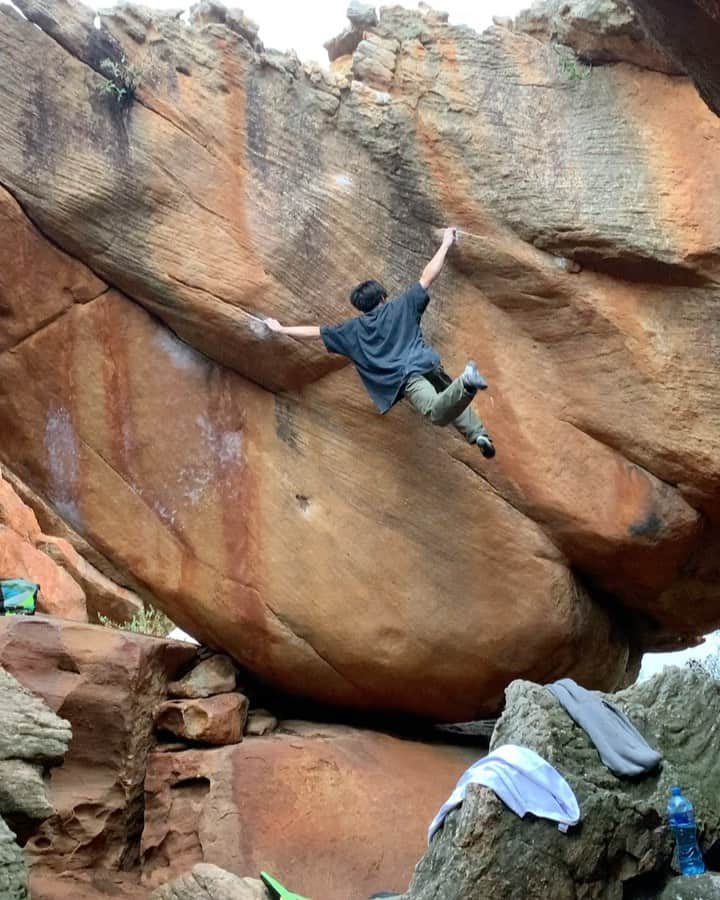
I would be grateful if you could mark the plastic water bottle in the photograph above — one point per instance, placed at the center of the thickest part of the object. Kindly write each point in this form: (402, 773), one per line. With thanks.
(681, 817)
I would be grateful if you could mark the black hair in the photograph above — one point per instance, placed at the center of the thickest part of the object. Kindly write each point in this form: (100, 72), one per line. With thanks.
(367, 295)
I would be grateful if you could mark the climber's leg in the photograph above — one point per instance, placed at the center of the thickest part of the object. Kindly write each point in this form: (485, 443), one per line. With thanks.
(470, 426)
(441, 408)
(467, 423)
(473, 430)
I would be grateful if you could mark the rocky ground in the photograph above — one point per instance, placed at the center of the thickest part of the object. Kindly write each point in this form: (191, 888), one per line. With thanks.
(622, 847)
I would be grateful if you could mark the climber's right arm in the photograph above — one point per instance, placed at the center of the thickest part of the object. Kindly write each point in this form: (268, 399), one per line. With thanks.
(299, 331)
(434, 267)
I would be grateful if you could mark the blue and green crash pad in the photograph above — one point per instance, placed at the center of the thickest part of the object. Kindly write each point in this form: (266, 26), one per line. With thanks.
(18, 597)
(277, 891)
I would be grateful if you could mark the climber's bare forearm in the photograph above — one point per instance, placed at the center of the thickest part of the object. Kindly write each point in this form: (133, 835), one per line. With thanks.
(302, 331)
(434, 267)
(298, 331)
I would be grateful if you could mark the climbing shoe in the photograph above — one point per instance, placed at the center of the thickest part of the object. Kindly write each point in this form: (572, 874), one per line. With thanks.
(472, 379)
(487, 448)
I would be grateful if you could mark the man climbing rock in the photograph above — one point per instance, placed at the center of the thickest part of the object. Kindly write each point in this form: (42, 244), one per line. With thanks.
(387, 347)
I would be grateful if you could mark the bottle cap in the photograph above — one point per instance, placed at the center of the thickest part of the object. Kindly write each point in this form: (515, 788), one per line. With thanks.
(676, 792)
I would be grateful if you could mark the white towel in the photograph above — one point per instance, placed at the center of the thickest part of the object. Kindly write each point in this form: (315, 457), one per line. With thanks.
(524, 781)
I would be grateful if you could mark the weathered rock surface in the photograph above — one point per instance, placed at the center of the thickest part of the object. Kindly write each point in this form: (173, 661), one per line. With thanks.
(300, 532)
(599, 31)
(210, 720)
(102, 595)
(30, 731)
(13, 871)
(333, 811)
(214, 675)
(208, 882)
(689, 34)
(70, 586)
(622, 848)
(59, 593)
(700, 887)
(32, 737)
(87, 884)
(107, 684)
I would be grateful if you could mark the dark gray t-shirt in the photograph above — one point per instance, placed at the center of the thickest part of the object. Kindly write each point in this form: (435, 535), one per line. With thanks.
(386, 345)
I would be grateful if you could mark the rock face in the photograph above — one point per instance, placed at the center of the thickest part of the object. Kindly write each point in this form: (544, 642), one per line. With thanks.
(357, 560)
(70, 585)
(622, 848)
(106, 684)
(600, 31)
(689, 35)
(21, 556)
(331, 811)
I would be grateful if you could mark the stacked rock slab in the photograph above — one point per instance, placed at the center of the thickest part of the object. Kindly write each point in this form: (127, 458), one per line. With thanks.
(358, 560)
(622, 847)
(106, 683)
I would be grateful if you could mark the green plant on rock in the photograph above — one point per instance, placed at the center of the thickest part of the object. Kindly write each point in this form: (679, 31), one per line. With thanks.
(571, 68)
(150, 621)
(122, 80)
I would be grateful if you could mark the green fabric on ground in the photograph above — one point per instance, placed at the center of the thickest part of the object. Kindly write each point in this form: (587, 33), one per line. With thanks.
(277, 891)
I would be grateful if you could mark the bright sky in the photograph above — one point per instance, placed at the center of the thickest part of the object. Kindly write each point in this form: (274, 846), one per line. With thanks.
(304, 27)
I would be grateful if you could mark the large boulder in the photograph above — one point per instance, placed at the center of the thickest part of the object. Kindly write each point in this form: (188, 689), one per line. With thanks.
(622, 848)
(356, 560)
(331, 811)
(107, 684)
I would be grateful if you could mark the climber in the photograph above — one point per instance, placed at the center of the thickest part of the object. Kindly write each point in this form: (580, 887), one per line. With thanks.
(387, 347)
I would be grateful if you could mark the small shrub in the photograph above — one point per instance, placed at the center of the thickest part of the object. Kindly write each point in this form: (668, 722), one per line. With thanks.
(122, 81)
(571, 68)
(150, 621)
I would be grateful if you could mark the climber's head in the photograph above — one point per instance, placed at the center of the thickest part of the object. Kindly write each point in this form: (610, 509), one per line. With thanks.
(368, 295)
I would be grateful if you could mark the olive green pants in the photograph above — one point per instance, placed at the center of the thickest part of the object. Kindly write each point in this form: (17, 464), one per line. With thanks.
(450, 406)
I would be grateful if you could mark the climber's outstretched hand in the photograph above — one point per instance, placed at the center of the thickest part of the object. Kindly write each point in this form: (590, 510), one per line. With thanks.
(434, 267)
(449, 237)
(298, 331)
